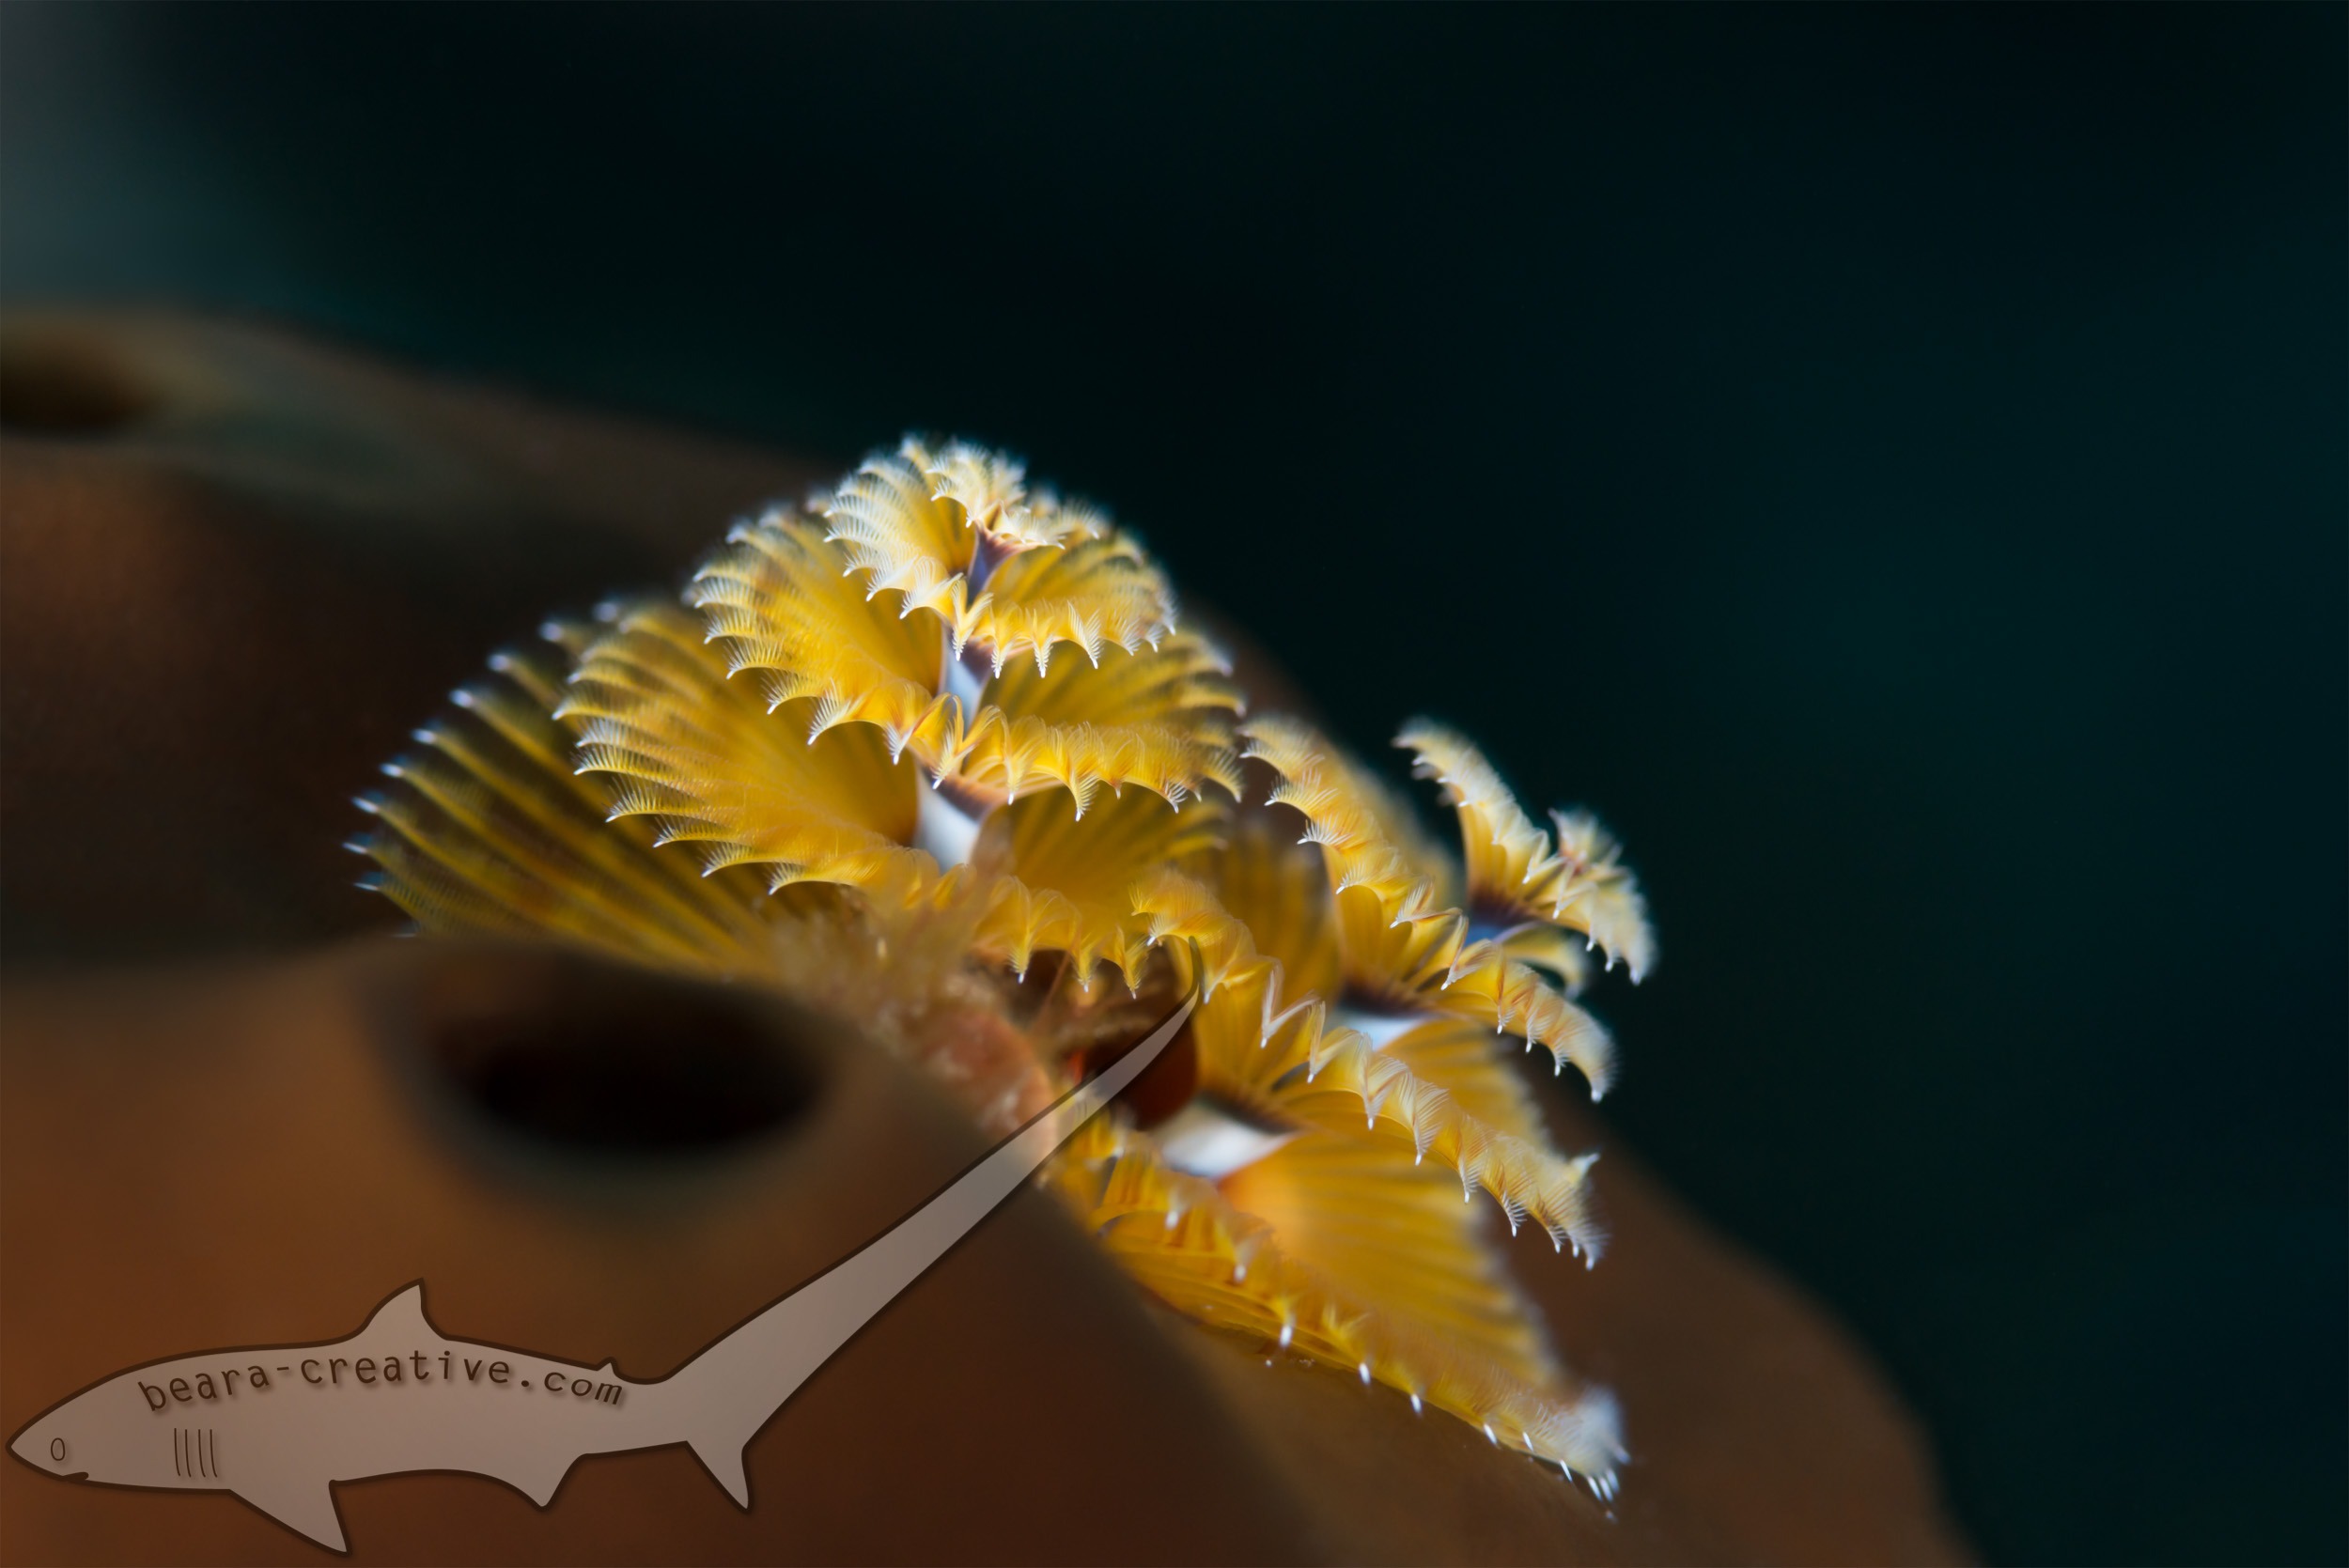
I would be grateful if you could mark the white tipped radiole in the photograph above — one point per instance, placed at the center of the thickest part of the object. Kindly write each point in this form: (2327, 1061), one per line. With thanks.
(878, 752)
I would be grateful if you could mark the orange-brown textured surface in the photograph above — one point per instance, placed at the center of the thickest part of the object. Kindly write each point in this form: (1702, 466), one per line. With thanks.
(234, 570)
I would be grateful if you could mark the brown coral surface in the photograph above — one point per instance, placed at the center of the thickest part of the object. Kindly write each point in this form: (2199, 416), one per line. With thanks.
(234, 569)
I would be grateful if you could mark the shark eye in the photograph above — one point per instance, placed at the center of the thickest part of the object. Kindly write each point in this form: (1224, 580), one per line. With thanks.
(597, 1059)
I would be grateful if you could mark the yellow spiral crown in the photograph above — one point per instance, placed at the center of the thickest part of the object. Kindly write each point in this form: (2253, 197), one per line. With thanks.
(934, 752)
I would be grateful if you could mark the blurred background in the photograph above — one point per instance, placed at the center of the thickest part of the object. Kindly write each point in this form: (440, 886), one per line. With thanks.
(1889, 462)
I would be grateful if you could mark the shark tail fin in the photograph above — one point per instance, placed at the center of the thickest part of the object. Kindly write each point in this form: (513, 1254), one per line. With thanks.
(721, 1406)
(722, 1458)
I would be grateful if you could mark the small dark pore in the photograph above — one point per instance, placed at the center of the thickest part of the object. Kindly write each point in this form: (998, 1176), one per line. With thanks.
(592, 1058)
(55, 383)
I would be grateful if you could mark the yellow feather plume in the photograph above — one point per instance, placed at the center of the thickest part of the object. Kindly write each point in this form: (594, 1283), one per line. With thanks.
(934, 752)
(1513, 869)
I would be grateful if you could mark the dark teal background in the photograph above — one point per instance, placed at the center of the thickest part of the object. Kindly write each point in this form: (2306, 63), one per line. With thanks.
(1889, 461)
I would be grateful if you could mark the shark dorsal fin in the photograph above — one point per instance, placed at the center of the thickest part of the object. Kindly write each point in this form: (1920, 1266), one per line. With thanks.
(403, 1310)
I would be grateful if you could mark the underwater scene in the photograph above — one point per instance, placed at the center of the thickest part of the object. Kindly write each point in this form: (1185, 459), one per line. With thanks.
(1273, 785)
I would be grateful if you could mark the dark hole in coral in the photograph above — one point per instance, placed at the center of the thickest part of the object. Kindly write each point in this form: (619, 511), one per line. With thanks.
(598, 1058)
(67, 384)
